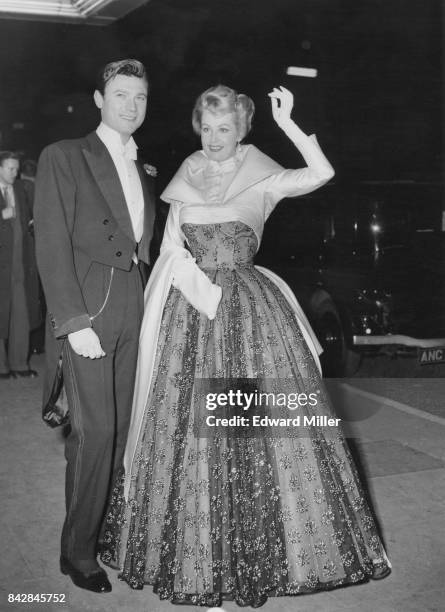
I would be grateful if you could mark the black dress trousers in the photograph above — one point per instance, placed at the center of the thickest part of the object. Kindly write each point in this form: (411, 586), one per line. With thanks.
(99, 393)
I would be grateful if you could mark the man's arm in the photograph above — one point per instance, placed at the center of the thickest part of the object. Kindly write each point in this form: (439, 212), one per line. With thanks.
(54, 209)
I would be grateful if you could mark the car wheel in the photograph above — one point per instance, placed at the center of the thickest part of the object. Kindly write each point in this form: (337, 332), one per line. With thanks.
(337, 359)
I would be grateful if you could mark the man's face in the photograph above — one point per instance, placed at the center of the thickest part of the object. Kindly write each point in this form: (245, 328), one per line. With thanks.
(123, 104)
(9, 170)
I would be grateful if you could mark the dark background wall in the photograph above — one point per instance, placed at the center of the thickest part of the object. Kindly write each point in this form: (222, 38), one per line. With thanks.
(376, 105)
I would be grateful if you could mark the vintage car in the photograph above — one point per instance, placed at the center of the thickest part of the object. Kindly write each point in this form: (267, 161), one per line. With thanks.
(367, 263)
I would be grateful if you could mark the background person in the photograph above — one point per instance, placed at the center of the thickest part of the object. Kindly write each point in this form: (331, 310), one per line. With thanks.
(28, 170)
(19, 284)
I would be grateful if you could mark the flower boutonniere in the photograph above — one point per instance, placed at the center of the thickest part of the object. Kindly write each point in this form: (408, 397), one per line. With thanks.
(150, 170)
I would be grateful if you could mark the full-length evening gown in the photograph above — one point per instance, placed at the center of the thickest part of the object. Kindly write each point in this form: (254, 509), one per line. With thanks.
(225, 517)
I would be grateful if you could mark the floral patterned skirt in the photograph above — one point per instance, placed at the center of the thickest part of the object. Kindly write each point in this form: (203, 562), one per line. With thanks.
(243, 517)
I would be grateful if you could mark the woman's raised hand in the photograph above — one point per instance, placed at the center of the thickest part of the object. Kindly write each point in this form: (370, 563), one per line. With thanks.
(282, 103)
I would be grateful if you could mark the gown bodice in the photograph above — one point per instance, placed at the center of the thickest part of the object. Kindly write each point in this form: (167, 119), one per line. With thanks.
(226, 245)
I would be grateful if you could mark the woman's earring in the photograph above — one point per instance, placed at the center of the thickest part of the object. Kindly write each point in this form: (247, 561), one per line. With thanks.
(238, 146)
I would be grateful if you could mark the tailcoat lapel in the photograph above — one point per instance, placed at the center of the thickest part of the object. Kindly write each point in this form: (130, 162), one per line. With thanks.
(149, 214)
(149, 204)
(107, 179)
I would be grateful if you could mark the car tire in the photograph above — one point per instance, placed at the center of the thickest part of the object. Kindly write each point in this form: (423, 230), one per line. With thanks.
(337, 360)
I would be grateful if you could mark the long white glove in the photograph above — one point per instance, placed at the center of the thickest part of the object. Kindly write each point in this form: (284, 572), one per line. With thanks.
(282, 103)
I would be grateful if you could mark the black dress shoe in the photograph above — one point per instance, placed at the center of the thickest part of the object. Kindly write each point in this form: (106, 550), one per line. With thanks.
(24, 374)
(5, 375)
(97, 581)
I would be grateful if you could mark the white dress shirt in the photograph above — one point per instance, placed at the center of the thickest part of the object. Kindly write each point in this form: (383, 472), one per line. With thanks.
(123, 157)
(8, 195)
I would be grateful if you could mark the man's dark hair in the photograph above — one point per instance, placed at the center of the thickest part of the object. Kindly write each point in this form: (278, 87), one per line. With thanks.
(4, 155)
(29, 167)
(126, 67)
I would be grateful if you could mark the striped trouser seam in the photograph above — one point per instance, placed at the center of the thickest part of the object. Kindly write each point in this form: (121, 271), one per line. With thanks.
(78, 421)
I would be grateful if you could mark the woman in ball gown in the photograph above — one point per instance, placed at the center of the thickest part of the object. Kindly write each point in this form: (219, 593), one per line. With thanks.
(207, 514)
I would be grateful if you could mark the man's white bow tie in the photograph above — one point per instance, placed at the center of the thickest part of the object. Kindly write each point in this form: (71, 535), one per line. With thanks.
(130, 153)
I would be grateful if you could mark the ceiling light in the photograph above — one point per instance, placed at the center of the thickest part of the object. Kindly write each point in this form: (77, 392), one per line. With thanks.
(302, 72)
(87, 7)
(100, 12)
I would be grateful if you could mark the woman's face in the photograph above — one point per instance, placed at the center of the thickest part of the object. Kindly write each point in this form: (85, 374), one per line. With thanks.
(219, 135)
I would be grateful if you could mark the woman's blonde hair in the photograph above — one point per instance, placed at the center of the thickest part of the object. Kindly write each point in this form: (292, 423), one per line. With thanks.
(221, 100)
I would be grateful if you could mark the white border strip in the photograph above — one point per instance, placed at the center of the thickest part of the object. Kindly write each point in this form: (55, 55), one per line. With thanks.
(394, 404)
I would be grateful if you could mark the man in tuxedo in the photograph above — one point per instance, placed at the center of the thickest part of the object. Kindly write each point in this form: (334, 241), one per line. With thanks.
(93, 213)
(19, 284)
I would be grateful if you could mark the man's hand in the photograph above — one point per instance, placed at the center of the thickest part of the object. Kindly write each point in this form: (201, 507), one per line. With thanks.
(8, 213)
(86, 343)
